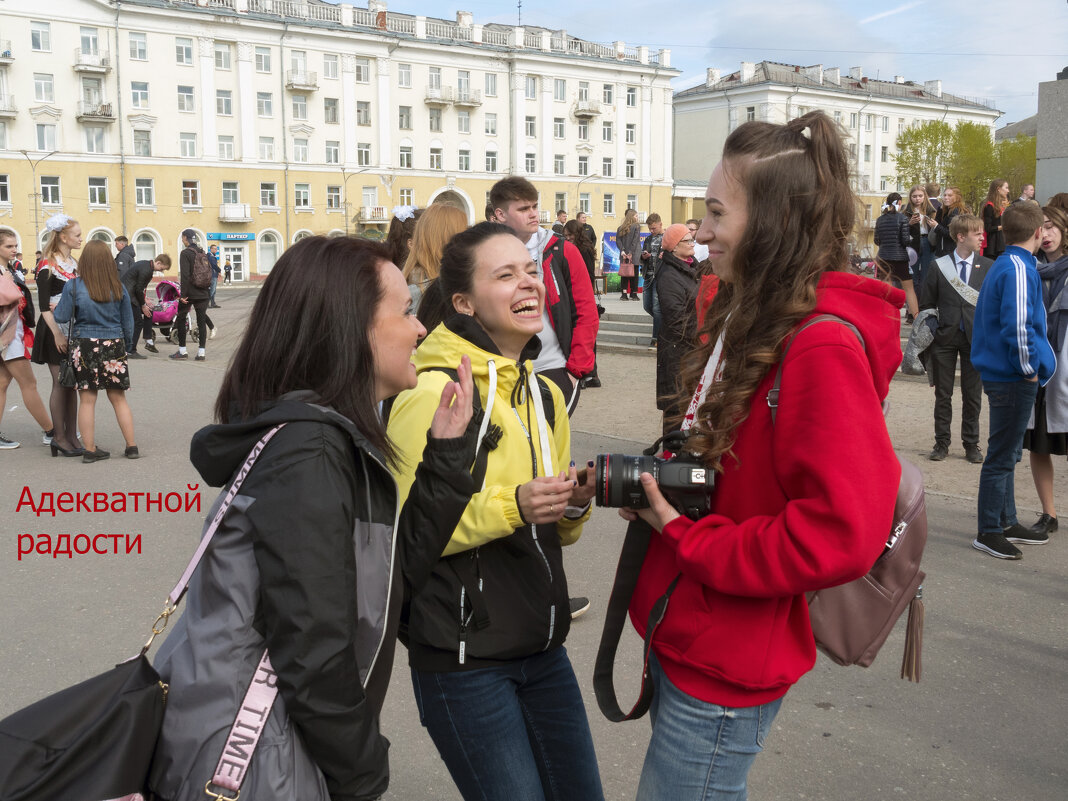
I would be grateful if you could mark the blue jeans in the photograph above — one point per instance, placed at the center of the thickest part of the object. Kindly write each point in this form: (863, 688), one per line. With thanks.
(512, 733)
(651, 304)
(700, 751)
(1010, 405)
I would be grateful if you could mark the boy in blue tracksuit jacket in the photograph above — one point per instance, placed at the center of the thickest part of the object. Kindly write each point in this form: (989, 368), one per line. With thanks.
(1012, 354)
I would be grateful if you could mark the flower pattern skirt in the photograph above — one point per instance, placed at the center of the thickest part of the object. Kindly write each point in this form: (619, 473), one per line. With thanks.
(100, 364)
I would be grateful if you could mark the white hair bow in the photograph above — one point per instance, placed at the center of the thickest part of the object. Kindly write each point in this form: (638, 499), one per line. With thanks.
(403, 213)
(57, 222)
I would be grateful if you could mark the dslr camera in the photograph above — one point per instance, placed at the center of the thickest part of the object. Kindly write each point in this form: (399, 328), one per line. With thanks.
(684, 480)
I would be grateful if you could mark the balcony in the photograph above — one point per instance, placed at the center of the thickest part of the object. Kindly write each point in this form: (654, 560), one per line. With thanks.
(6, 54)
(584, 109)
(302, 80)
(235, 212)
(373, 214)
(438, 96)
(95, 112)
(544, 216)
(468, 98)
(87, 61)
(7, 105)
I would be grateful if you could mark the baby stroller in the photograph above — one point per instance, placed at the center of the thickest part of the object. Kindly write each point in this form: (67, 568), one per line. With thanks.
(164, 312)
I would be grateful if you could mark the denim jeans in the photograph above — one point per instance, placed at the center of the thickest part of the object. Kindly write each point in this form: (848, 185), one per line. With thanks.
(651, 304)
(1010, 405)
(700, 751)
(512, 733)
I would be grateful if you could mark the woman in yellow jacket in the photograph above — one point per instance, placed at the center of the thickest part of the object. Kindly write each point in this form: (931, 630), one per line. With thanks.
(492, 680)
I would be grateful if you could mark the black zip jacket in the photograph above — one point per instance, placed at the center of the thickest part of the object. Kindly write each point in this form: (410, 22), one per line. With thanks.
(676, 288)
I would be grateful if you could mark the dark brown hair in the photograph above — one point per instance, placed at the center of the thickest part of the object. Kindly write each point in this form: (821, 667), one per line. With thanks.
(801, 215)
(310, 329)
(96, 268)
(992, 195)
(400, 231)
(1058, 218)
(1020, 221)
(510, 189)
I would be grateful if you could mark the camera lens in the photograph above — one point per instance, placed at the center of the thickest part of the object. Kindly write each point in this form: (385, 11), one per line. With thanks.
(618, 480)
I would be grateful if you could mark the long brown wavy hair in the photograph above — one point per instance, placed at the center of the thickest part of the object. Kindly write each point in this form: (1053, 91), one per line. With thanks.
(801, 215)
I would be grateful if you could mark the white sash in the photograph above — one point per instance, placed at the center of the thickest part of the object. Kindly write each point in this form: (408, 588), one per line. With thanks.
(947, 264)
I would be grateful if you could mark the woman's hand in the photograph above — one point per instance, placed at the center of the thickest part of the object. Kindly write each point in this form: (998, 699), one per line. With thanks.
(544, 500)
(585, 485)
(659, 513)
(61, 342)
(455, 410)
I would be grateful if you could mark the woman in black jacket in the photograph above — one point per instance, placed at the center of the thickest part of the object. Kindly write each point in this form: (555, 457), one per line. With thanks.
(306, 563)
(676, 281)
(191, 296)
(952, 205)
(629, 242)
(892, 237)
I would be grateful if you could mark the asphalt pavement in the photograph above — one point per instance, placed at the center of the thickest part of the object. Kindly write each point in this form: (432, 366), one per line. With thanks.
(988, 721)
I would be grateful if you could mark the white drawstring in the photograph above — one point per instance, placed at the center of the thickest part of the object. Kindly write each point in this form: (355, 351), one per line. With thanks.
(534, 392)
(489, 409)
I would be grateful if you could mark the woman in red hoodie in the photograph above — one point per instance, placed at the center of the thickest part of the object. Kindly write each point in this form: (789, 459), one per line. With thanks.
(802, 502)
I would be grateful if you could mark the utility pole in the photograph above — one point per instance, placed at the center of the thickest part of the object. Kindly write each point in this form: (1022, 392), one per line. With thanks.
(36, 195)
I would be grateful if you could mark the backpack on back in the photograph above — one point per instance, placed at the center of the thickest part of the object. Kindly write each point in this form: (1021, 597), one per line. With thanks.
(202, 272)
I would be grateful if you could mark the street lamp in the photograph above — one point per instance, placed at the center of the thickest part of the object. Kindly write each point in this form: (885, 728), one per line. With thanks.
(345, 189)
(578, 192)
(36, 194)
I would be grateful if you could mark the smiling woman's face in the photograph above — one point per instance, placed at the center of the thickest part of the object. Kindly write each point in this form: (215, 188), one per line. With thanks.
(726, 215)
(395, 333)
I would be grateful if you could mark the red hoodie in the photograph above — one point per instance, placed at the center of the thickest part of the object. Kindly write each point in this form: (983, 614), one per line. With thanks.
(802, 505)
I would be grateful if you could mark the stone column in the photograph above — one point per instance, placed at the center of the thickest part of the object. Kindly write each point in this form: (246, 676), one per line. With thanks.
(210, 146)
(246, 103)
(348, 107)
(385, 109)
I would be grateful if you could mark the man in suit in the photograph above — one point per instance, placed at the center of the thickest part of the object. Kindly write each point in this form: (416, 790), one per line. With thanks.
(952, 289)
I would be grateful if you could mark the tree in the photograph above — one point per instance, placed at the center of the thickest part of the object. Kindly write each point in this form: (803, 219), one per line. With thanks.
(923, 152)
(971, 163)
(1015, 159)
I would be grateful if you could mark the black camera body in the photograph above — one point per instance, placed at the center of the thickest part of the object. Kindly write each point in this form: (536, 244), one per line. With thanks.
(683, 479)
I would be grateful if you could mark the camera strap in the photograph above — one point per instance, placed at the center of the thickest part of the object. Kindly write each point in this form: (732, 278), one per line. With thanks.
(631, 558)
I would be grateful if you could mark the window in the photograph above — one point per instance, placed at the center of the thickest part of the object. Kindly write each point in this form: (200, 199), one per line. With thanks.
(363, 154)
(269, 195)
(607, 94)
(853, 120)
(882, 184)
(632, 202)
(491, 84)
(852, 150)
(183, 50)
(222, 56)
(606, 131)
(584, 202)
(186, 100)
(41, 37)
(264, 104)
(561, 201)
(632, 96)
(5, 189)
(583, 165)
(333, 197)
(463, 121)
(363, 112)
(463, 83)
(869, 120)
(187, 143)
(609, 203)
(631, 133)
(884, 155)
(407, 197)
(362, 72)
(558, 127)
(463, 161)
(369, 196)
(300, 150)
(434, 78)
(435, 119)
(300, 107)
(139, 94)
(405, 157)
(98, 191)
(530, 162)
(90, 42)
(531, 126)
(330, 62)
(298, 61)
(43, 87)
(138, 47)
(532, 87)
(630, 167)
(750, 113)
(606, 167)
(491, 161)
(46, 137)
(867, 152)
(584, 130)
(330, 110)
(302, 196)
(333, 152)
(226, 148)
(145, 191)
(94, 139)
(559, 89)
(491, 124)
(263, 59)
(901, 125)
(838, 118)
(50, 190)
(230, 192)
(142, 143)
(190, 193)
(224, 102)
(404, 76)
(559, 164)
(266, 148)
(584, 90)
(404, 118)
(435, 158)
(146, 246)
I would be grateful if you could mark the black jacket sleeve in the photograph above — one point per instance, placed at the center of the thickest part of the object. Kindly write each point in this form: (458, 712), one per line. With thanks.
(302, 519)
(677, 293)
(185, 272)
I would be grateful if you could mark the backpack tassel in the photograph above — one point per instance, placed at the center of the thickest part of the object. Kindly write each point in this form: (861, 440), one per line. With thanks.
(911, 664)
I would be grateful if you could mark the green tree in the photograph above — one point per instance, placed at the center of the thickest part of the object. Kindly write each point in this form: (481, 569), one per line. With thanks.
(971, 163)
(923, 153)
(1015, 159)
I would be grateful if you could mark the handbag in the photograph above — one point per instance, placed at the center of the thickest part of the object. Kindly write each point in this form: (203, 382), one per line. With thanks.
(626, 265)
(95, 740)
(67, 376)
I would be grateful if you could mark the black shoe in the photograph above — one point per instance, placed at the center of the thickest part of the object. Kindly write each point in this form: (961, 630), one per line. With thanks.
(1027, 536)
(95, 456)
(179, 355)
(58, 451)
(214, 306)
(131, 452)
(623, 296)
(973, 454)
(135, 355)
(151, 348)
(997, 545)
(939, 453)
(579, 606)
(591, 382)
(1046, 524)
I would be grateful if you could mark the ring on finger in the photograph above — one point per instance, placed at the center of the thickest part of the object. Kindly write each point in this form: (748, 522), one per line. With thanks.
(552, 507)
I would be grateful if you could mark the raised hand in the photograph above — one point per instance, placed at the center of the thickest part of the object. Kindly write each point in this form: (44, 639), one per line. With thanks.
(455, 409)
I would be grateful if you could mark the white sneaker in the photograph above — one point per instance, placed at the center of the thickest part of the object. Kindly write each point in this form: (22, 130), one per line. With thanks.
(7, 444)
(212, 334)
(46, 438)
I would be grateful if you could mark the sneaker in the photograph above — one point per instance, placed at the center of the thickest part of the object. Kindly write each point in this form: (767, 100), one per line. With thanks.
(179, 355)
(579, 606)
(1046, 524)
(135, 355)
(46, 440)
(997, 545)
(151, 348)
(1027, 536)
(939, 453)
(973, 454)
(199, 357)
(10, 444)
(591, 382)
(211, 334)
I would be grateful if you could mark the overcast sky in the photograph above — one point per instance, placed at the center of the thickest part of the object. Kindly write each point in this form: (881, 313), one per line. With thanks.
(997, 51)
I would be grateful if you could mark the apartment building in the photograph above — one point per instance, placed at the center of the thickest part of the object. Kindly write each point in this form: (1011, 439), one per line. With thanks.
(258, 122)
(871, 112)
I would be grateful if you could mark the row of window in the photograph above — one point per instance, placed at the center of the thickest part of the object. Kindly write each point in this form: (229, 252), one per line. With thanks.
(870, 121)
